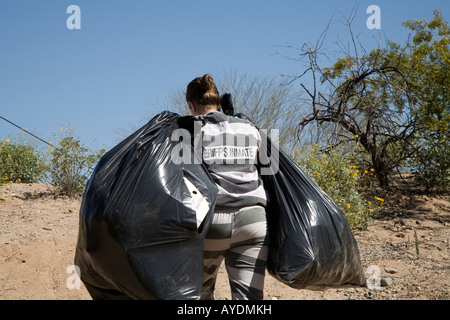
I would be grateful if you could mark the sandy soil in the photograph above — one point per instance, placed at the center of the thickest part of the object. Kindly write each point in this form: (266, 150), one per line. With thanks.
(38, 237)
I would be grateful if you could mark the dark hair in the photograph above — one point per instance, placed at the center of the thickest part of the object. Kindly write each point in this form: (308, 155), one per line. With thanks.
(203, 92)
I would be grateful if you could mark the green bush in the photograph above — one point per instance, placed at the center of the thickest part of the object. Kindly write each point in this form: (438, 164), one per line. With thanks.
(71, 164)
(339, 178)
(431, 165)
(20, 162)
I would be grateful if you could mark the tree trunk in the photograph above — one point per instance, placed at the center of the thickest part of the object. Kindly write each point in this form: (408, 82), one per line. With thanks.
(381, 171)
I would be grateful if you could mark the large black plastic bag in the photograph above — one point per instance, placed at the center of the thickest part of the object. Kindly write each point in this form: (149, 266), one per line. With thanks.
(311, 244)
(139, 237)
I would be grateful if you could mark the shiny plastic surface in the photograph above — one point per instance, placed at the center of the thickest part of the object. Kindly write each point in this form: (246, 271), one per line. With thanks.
(140, 236)
(143, 220)
(311, 244)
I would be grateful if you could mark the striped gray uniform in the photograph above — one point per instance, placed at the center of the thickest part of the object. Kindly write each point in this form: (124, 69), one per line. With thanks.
(238, 232)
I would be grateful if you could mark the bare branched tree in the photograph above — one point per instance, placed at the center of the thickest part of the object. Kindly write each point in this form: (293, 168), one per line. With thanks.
(364, 98)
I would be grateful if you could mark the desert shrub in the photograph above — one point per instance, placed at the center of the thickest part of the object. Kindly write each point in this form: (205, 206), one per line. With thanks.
(337, 175)
(71, 164)
(431, 165)
(20, 161)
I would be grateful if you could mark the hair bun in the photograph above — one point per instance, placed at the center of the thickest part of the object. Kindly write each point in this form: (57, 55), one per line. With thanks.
(203, 91)
(207, 82)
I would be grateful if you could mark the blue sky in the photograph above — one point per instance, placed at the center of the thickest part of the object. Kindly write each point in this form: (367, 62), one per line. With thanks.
(128, 55)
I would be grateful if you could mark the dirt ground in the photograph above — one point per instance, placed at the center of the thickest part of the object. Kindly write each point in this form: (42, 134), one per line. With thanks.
(38, 236)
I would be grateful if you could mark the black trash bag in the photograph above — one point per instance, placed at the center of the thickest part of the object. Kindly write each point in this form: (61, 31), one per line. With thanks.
(143, 218)
(311, 243)
(226, 104)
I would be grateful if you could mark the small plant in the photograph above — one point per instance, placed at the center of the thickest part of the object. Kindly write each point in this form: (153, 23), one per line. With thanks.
(20, 162)
(339, 178)
(71, 164)
(416, 243)
(443, 295)
(431, 166)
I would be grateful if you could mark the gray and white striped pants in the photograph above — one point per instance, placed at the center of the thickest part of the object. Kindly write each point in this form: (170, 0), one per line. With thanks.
(241, 238)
